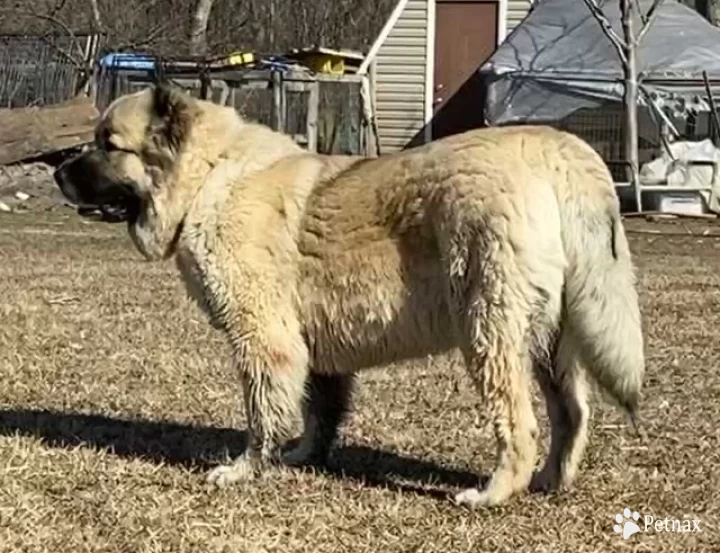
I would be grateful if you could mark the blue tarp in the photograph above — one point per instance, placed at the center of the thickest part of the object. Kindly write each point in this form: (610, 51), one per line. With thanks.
(129, 61)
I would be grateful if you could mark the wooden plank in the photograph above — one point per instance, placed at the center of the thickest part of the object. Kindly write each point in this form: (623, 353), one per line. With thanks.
(233, 97)
(36, 131)
(312, 117)
(299, 86)
(345, 78)
(374, 138)
(252, 85)
(278, 102)
(224, 89)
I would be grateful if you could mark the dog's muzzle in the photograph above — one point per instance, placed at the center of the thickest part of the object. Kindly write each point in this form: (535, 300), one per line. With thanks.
(84, 181)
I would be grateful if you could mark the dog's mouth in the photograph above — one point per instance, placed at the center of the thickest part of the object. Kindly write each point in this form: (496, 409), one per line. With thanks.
(119, 212)
(122, 208)
(94, 186)
(127, 209)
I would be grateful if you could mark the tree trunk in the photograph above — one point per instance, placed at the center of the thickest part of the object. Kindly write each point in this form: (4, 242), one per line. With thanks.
(710, 9)
(198, 32)
(97, 20)
(271, 26)
(631, 98)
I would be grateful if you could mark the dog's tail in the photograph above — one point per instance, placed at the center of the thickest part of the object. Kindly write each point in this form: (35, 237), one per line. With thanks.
(601, 300)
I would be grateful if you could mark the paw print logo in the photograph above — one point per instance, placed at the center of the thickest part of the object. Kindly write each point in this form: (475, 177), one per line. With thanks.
(627, 523)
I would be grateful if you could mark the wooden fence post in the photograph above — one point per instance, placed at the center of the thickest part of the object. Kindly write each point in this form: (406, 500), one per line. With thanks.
(278, 101)
(312, 115)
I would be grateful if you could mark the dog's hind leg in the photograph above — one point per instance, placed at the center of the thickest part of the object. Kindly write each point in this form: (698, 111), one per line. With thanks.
(505, 390)
(565, 388)
(273, 387)
(493, 306)
(327, 403)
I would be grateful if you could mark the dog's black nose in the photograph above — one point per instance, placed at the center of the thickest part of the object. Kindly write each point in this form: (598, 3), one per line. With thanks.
(60, 175)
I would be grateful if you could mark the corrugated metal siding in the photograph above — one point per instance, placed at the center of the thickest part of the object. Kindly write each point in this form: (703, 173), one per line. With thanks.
(516, 12)
(400, 82)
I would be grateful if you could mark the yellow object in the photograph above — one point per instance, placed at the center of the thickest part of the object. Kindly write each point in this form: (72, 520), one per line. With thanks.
(326, 60)
(326, 63)
(238, 58)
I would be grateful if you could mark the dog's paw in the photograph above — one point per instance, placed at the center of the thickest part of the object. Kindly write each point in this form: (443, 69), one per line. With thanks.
(545, 481)
(472, 498)
(226, 475)
(297, 457)
(303, 454)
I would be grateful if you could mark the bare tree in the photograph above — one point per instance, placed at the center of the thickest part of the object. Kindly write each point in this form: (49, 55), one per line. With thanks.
(198, 31)
(164, 27)
(626, 47)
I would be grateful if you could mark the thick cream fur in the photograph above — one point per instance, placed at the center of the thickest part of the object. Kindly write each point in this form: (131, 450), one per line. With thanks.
(505, 243)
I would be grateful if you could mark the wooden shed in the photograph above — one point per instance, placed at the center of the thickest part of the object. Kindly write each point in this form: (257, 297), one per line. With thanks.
(427, 53)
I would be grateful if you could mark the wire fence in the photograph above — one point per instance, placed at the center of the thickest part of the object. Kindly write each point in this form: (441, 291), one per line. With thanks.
(603, 129)
(40, 70)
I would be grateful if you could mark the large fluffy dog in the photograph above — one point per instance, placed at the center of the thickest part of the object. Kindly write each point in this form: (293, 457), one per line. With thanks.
(505, 243)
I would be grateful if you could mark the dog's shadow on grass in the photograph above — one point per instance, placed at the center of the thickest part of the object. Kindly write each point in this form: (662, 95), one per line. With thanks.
(200, 448)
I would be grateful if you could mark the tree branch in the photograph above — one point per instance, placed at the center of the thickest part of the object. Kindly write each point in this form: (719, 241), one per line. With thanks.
(97, 20)
(58, 7)
(649, 19)
(147, 40)
(79, 60)
(619, 44)
(64, 53)
(638, 9)
(59, 23)
(198, 33)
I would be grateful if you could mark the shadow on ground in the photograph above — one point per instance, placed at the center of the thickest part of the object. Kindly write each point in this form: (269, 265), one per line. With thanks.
(201, 447)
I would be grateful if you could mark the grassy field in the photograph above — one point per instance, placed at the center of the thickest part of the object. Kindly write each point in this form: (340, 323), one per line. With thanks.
(116, 396)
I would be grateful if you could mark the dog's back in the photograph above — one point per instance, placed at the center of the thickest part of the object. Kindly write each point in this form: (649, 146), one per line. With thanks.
(386, 243)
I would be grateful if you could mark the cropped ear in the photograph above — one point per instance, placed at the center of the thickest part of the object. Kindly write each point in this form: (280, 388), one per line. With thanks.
(172, 120)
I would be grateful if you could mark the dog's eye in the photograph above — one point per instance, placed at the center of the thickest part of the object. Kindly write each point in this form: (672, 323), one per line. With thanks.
(110, 147)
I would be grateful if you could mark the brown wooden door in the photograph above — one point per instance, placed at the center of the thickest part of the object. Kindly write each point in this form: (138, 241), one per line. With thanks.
(465, 36)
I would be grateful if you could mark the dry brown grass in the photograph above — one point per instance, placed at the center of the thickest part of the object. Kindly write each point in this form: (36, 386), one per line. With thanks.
(115, 396)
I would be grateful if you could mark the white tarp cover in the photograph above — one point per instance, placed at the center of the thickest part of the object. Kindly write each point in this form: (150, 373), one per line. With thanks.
(559, 60)
(676, 172)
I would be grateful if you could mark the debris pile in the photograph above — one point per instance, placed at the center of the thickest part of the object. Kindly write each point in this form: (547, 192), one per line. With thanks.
(28, 187)
(33, 140)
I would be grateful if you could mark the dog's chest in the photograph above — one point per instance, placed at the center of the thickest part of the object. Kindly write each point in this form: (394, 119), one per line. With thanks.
(201, 281)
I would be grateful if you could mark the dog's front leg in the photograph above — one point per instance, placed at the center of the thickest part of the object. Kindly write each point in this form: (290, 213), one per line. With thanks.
(326, 405)
(273, 390)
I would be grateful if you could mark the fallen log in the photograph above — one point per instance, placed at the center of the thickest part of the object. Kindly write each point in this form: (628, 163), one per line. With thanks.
(27, 133)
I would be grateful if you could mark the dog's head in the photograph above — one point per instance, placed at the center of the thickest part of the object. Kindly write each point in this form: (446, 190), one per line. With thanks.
(134, 166)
